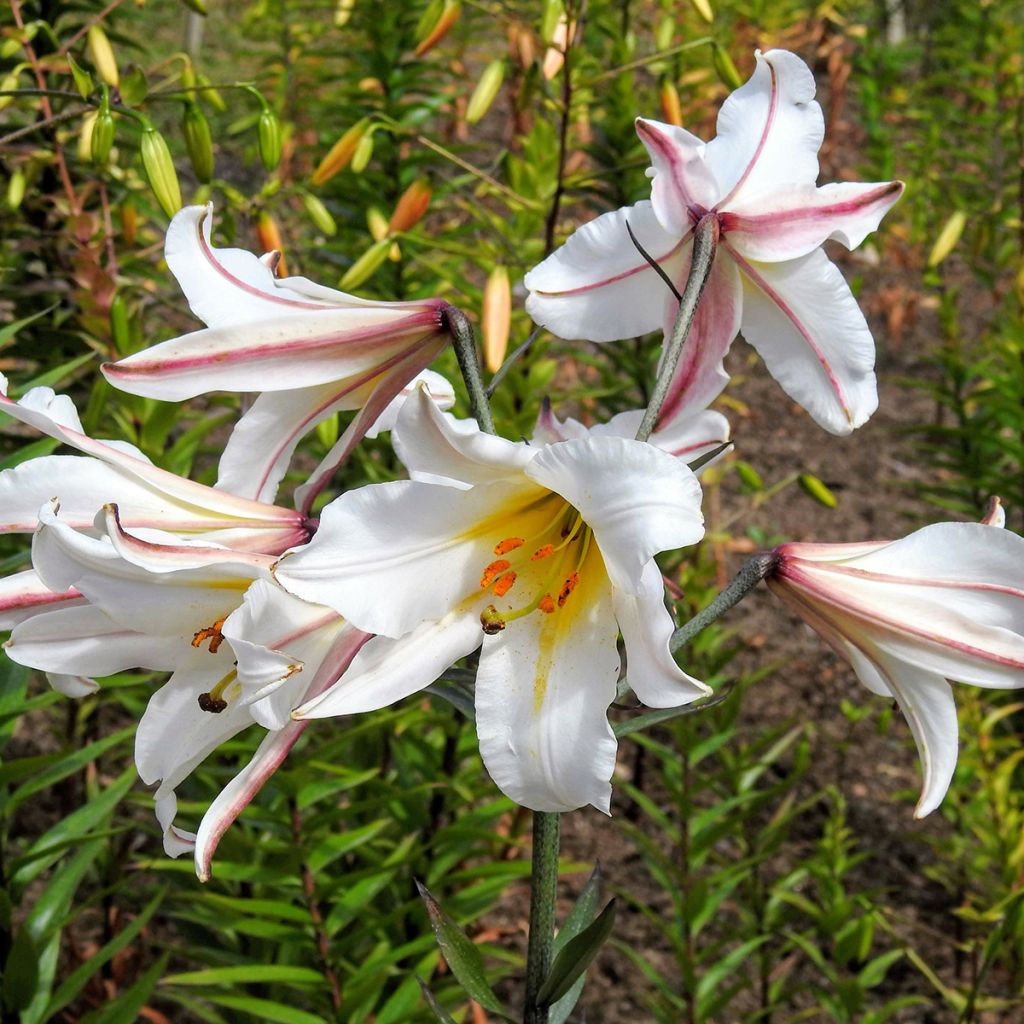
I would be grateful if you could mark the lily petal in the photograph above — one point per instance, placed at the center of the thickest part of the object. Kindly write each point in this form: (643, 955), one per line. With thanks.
(150, 496)
(279, 353)
(386, 670)
(791, 222)
(439, 388)
(23, 594)
(769, 130)
(700, 376)
(438, 448)
(927, 704)
(638, 500)
(646, 627)
(84, 640)
(812, 336)
(597, 286)
(542, 693)
(683, 186)
(226, 287)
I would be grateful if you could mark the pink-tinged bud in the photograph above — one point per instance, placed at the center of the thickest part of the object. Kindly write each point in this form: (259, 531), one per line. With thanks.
(446, 20)
(339, 156)
(496, 318)
(671, 109)
(554, 56)
(270, 240)
(411, 206)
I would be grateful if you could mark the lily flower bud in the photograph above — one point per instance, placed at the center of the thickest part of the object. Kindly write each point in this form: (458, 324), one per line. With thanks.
(339, 156)
(485, 92)
(159, 168)
(198, 141)
(268, 135)
(102, 55)
(270, 240)
(448, 17)
(670, 107)
(411, 206)
(496, 319)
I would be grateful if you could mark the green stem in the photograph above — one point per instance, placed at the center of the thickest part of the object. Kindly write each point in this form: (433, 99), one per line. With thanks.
(753, 571)
(464, 343)
(705, 241)
(543, 890)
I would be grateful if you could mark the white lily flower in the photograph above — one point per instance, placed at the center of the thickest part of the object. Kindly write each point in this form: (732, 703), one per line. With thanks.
(310, 351)
(240, 650)
(770, 277)
(945, 603)
(147, 497)
(542, 554)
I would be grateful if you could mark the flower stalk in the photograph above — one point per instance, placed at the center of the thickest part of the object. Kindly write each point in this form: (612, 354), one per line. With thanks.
(464, 343)
(754, 570)
(543, 892)
(705, 242)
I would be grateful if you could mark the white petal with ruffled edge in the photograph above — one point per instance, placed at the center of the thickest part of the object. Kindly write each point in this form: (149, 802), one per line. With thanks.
(769, 130)
(597, 285)
(438, 448)
(807, 327)
(542, 694)
(637, 500)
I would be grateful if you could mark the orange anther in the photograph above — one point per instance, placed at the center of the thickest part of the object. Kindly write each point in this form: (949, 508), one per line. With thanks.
(504, 584)
(211, 633)
(547, 605)
(542, 552)
(493, 571)
(503, 547)
(567, 588)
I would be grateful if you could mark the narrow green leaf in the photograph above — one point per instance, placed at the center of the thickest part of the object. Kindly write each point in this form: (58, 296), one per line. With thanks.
(435, 1007)
(246, 974)
(21, 972)
(575, 957)
(266, 1010)
(52, 906)
(9, 331)
(582, 914)
(460, 954)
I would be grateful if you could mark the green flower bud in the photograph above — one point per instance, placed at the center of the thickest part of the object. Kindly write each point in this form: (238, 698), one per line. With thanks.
(102, 136)
(319, 214)
(485, 92)
(269, 138)
(366, 265)
(198, 141)
(159, 168)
